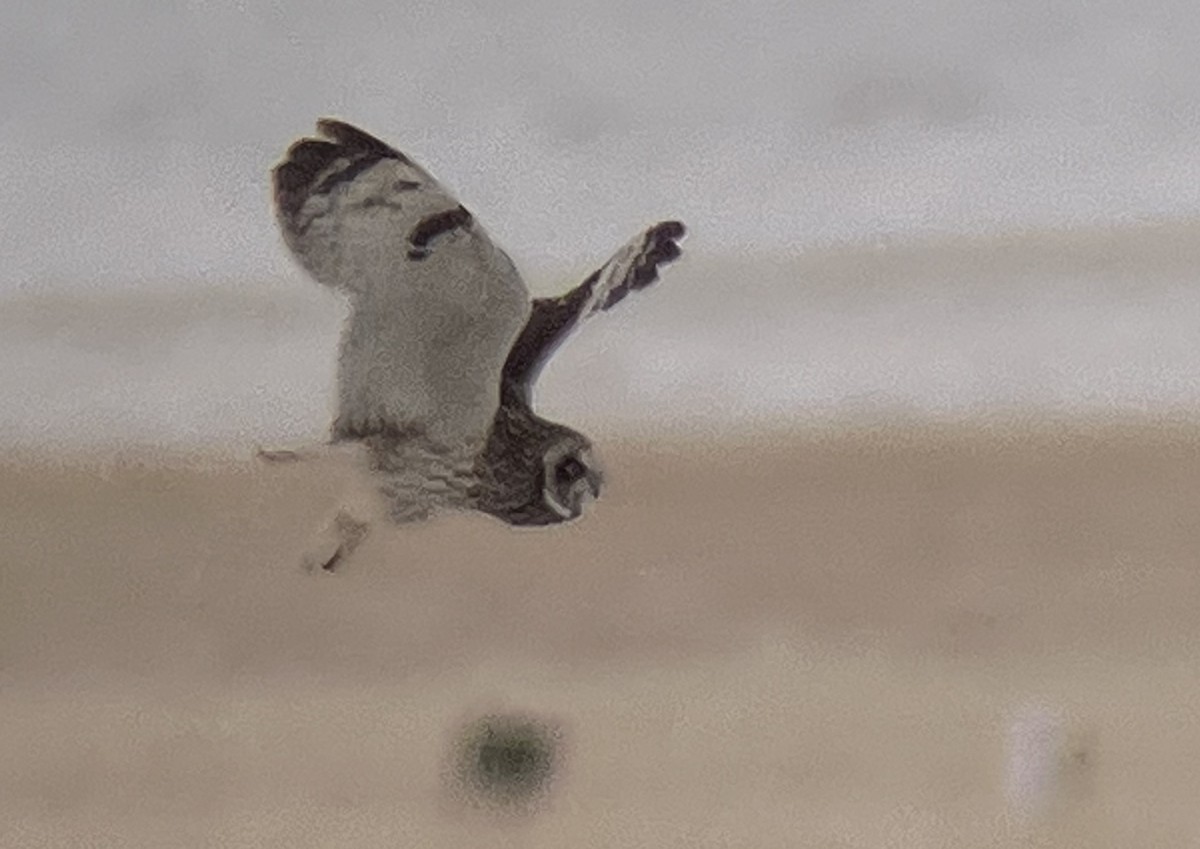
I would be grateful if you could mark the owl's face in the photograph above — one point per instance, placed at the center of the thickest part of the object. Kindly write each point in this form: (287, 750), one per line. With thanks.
(535, 472)
(570, 477)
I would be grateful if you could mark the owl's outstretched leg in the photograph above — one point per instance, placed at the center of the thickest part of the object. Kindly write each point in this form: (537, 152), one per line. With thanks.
(335, 542)
(285, 455)
(358, 509)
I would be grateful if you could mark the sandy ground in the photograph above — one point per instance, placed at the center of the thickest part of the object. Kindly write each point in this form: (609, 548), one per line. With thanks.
(797, 640)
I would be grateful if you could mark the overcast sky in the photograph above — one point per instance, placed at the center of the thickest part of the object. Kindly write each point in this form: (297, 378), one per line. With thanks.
(136, 140)
(136, 136)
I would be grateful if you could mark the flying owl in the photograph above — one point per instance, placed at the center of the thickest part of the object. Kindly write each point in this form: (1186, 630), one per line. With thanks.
(443, 344)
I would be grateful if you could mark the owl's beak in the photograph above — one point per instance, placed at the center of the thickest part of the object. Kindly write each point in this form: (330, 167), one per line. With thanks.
(595, 481)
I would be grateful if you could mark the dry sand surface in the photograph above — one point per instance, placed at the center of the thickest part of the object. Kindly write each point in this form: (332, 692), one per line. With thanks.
(797, 640)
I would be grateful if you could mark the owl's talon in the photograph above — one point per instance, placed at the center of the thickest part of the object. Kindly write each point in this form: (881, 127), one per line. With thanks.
(313, 565)
(336, 541)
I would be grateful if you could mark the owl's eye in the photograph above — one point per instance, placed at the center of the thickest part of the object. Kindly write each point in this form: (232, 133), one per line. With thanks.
(568, 471)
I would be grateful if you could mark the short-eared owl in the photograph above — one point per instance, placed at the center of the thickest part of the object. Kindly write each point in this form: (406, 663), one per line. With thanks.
(443, 344)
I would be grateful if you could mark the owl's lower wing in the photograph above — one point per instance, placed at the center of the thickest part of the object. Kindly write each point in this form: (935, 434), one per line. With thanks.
(435, 305)
(635, 266)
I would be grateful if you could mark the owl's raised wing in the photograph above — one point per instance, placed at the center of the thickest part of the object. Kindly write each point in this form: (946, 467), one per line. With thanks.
(634, 266)
(435, 305)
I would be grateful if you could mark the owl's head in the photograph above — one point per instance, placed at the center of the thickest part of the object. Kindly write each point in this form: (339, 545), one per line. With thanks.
(536, 472)
(570, 476)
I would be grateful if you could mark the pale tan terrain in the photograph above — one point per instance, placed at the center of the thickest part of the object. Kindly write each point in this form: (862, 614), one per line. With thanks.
(791, 641)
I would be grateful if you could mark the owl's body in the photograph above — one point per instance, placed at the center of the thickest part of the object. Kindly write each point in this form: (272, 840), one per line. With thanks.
(443, 344)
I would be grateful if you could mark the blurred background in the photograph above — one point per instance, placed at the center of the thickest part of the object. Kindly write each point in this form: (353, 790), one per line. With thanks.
(945, 213)
(877, 195)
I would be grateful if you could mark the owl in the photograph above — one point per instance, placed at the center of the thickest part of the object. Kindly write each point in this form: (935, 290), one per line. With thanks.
(442, 345)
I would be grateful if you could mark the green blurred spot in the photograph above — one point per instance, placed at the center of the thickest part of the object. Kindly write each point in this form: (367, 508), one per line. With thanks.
(507, 760)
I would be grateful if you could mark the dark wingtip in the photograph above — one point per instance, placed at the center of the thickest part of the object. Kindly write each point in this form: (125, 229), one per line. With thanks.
(299, 169)
(664, 248)
(356, 140)
(661, 248)
(671, 229)
(308, 155)
(553, 318)
(295, 176)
